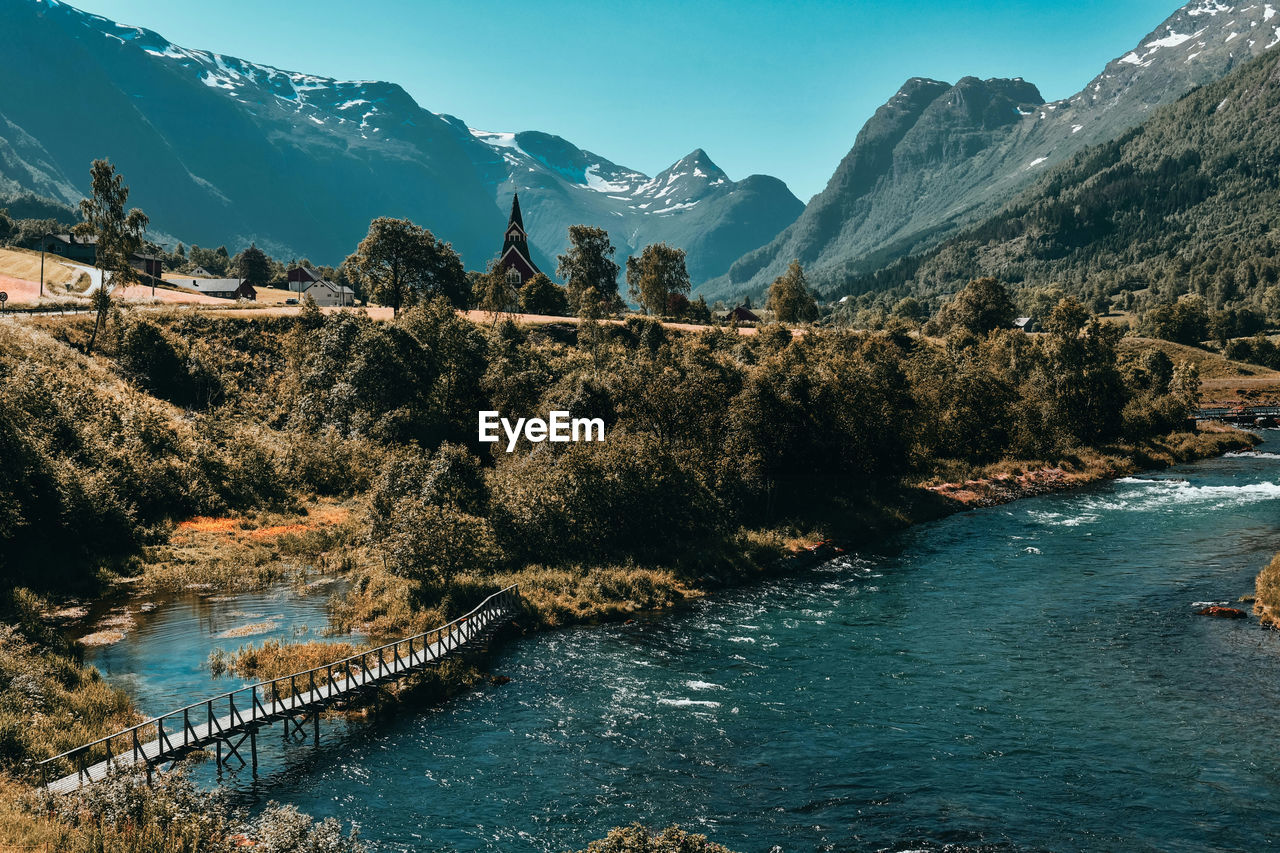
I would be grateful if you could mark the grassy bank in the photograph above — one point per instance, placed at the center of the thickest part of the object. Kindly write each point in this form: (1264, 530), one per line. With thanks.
(1267, 595)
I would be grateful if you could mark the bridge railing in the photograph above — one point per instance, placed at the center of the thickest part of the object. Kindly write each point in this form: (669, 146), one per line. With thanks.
(195, 725)
(1237, 412)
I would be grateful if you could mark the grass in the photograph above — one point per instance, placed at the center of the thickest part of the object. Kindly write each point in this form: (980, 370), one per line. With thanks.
(25, 264)
(1212, 365)
(253, 550)
(1267, 594)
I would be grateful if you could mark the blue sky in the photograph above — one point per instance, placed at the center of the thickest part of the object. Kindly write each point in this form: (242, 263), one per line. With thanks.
(780, 88)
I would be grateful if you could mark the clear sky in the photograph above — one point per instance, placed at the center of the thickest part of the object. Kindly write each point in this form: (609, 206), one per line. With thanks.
(780, 88)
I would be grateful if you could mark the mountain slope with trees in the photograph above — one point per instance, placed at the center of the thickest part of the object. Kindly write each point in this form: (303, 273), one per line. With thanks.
(225, 151)
(936, 157)
(1185, 206)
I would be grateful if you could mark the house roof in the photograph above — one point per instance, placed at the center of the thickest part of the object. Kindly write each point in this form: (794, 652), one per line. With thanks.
(304, 272)
(328, 285)
(744, 313)
(211, 285)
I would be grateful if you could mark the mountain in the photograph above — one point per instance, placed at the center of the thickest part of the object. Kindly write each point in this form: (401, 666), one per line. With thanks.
(937, 157)
(1189, 201)
(692, 204)
(219, 150)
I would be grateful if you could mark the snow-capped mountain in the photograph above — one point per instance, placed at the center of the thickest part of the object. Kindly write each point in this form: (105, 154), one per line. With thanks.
(692, 204)
(219, 150)
(938, 156)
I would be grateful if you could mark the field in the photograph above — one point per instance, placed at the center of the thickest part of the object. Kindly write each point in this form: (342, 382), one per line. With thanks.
(1222, 380)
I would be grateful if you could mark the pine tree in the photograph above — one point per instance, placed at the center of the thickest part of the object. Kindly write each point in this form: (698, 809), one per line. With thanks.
(253, 266)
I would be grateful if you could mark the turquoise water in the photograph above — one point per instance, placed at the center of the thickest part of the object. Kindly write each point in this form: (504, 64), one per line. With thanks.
(1024, 678)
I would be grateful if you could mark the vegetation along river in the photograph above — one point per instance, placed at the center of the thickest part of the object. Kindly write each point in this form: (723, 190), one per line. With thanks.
(1026, 677)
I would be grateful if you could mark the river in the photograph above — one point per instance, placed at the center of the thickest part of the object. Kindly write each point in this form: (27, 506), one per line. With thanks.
(1028, 677)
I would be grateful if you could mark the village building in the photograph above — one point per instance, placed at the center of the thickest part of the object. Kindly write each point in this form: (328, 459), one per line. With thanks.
(222, 288)
(81, 249)
(326, 294)
(515, 248)
(742, 314)
(72, 247)
(304, 276)
(1026, 324)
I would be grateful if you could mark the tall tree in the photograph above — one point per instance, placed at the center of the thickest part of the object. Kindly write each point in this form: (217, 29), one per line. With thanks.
(790, 299)
(119, 235)
(497, 290)
(402, 264)
(253, 266)
(540, 295)
(982, 307)
(588, 268)
(656, 275)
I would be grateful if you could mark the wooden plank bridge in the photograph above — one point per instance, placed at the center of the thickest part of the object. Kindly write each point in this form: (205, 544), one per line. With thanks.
(297, 700)
(1240, 414)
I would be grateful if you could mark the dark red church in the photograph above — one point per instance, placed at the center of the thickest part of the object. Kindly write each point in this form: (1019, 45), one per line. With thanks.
(515, 246)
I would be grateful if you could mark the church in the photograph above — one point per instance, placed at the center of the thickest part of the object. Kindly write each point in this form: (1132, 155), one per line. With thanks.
(515, 247)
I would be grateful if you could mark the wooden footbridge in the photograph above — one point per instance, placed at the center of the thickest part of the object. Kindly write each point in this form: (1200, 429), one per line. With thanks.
(1261, 415)
(225, 722)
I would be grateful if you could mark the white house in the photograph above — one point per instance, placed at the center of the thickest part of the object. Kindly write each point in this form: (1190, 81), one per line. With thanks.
(327, 294)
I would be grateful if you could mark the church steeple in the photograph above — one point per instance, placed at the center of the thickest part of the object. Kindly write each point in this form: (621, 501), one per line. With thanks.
(516, 219)
(515, 245)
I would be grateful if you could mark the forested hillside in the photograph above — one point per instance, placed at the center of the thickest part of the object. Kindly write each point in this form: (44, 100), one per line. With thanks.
(937, 157)
(1188, 203)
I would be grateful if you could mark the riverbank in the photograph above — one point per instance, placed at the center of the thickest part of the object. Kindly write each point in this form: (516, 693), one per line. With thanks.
(1005, 482)
(1266, 603)
(377, 602)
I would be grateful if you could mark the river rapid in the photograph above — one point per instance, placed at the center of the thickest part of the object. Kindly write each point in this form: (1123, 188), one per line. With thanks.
(1027, 677)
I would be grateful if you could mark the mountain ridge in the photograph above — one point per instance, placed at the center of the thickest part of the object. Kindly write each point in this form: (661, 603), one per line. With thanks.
(904, 210)
(223, 150)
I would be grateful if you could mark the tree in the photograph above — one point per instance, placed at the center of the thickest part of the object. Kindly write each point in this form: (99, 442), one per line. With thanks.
(540, 295)
(980, 308)
(656, 275)
(498, 289)
(1067, 319)
(253, 266)
(909, 309)
(119, 235)
(588, 269)
(790, 299)
(401, 264)
(1185, 321)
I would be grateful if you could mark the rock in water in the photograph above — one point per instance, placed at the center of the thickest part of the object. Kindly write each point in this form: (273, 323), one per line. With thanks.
(1223, 612)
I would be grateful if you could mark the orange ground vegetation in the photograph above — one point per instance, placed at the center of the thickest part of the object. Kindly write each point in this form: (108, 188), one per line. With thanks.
(317, 518)
(205, 524)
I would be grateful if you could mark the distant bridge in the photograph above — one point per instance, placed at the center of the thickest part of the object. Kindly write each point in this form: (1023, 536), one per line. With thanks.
(227, 721)
(1240, 414)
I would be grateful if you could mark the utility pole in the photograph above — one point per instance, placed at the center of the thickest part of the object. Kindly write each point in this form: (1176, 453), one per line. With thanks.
(44, 241)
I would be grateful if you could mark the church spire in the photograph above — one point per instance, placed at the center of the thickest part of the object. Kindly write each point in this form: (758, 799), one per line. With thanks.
(515, 211)
(515, 245)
